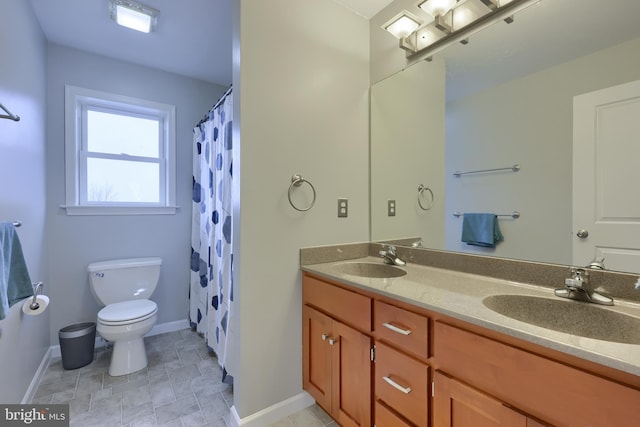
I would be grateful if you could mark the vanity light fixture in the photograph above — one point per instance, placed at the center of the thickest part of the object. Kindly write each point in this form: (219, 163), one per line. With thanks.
(402, 24)
(454, 21)
(437, 7)
(134, 15)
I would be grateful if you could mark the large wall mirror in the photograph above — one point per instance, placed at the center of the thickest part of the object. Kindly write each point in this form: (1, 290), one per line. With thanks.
(506, 98)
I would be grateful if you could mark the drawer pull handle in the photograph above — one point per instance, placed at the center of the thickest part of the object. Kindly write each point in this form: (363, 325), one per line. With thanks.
(324, 337)
(332, 341)
(392, 383)
(394, 328)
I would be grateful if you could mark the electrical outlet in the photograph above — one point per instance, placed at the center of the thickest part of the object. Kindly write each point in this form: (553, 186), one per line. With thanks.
(391, 208)
(343, 208)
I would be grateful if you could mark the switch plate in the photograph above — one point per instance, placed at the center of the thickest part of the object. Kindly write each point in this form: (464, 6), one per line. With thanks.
(343, 208)
(391, 208)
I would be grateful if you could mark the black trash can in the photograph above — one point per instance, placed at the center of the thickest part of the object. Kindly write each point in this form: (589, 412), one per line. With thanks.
(77, 343)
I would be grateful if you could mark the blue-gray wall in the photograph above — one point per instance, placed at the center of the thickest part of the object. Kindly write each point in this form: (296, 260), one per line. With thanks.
(23, 340)
(75, 241)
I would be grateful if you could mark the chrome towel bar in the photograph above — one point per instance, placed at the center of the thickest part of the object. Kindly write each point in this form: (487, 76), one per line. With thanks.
(514, 214)
(514, 168)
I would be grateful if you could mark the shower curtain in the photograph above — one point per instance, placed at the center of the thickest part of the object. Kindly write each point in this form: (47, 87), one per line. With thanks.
(211, 291)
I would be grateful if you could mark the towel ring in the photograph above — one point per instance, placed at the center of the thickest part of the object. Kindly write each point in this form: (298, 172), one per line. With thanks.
(296, 181)
(421, 190)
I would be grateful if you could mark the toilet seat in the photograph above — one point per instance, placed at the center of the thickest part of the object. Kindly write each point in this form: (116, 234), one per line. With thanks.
(126, 312)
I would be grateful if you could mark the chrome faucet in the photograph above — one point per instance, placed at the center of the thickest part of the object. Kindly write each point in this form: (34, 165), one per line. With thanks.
(578, 287)
(390, 256)
(417, 244)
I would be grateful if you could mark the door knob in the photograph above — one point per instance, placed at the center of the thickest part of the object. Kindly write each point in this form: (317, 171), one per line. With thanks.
(582, 233)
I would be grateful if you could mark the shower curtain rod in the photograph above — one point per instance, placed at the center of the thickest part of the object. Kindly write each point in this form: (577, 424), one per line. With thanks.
(220, 101)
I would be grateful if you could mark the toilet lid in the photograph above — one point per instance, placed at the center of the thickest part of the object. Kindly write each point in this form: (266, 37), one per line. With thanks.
(127, 310)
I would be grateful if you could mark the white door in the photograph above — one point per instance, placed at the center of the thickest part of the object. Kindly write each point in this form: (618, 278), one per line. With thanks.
(606, 177)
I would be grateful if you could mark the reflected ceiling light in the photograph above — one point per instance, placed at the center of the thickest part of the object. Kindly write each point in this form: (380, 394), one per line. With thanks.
(437, 7)
(454, 21)
(402, 25)
(134, 15)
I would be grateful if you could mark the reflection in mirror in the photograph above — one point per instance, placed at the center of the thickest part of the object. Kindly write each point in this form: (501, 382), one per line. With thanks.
(509, 100)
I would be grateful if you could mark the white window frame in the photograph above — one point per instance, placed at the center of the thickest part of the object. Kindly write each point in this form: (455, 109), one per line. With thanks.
(77, 100)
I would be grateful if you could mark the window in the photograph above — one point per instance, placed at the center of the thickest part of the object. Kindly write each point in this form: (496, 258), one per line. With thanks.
(120, 154)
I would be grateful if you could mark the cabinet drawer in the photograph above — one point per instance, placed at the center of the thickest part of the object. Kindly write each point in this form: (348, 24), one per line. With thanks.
(403, 328)
(401, 383)
(350, 307)
(384, 417)
(548, 390)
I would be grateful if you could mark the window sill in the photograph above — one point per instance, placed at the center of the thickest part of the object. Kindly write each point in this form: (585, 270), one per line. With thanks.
(120, 210)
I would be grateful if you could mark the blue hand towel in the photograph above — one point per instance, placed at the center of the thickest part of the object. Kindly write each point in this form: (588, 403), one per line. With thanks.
(15, 283)
(481, 229)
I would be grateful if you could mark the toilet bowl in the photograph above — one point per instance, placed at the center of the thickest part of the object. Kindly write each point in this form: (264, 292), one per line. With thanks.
(123, 287)
(125, 324)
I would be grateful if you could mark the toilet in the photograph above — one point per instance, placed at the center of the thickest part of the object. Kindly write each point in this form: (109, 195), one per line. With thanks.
(123, 287)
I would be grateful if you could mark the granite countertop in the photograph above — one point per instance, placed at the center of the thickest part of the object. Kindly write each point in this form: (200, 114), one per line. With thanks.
(460, 295)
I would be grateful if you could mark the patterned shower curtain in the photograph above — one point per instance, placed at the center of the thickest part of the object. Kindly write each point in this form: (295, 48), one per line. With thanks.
(211, 292)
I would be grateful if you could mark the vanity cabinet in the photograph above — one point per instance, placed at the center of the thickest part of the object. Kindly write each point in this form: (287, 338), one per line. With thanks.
(455, 404)
(433, 370)
(336, 354)
(547, 389)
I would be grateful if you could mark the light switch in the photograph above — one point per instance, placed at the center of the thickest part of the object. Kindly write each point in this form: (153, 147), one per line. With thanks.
(391, 208)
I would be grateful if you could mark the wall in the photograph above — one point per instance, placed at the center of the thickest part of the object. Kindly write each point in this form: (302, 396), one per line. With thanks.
(75, 241)
(23, 340)
(301, 106)
(527, 121)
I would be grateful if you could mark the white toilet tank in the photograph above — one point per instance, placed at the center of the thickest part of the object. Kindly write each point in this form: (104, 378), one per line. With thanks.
(124, 279)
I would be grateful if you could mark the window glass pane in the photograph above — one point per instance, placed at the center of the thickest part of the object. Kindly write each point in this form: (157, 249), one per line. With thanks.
(122, 181)
(120, 134)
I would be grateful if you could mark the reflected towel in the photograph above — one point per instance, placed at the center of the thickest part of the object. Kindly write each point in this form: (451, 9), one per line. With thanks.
(15, 283)
(481, 229)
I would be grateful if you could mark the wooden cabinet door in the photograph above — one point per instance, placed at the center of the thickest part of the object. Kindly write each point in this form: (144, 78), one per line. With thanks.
(351, 365)
(336, 368)
(316, 356)
(458, 405)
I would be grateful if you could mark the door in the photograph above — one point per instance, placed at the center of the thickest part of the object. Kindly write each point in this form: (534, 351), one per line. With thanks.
(316, 357)
(336, 368)
(351, 377)
(606, 171)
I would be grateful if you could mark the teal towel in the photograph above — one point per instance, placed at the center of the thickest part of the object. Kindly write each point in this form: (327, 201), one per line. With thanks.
(15, 283)
(481, 229)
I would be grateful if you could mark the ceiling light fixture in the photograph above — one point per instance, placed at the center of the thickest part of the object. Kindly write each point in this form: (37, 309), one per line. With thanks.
(454, 21)
(402, 24)
(134, 15)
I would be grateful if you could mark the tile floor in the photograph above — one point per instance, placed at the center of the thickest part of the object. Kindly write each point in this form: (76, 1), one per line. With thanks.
(181, 387)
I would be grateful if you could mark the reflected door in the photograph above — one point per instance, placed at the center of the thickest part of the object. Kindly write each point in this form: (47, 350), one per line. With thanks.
(606, 175)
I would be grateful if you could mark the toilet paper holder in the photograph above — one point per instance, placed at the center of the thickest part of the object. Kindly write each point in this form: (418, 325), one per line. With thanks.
(34, 304)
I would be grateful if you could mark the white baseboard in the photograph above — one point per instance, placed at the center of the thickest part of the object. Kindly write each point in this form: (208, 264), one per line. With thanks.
(273, 413)
(162, 328)
(37, 378)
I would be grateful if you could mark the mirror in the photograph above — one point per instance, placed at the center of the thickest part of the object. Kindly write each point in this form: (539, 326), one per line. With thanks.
(508, 100)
